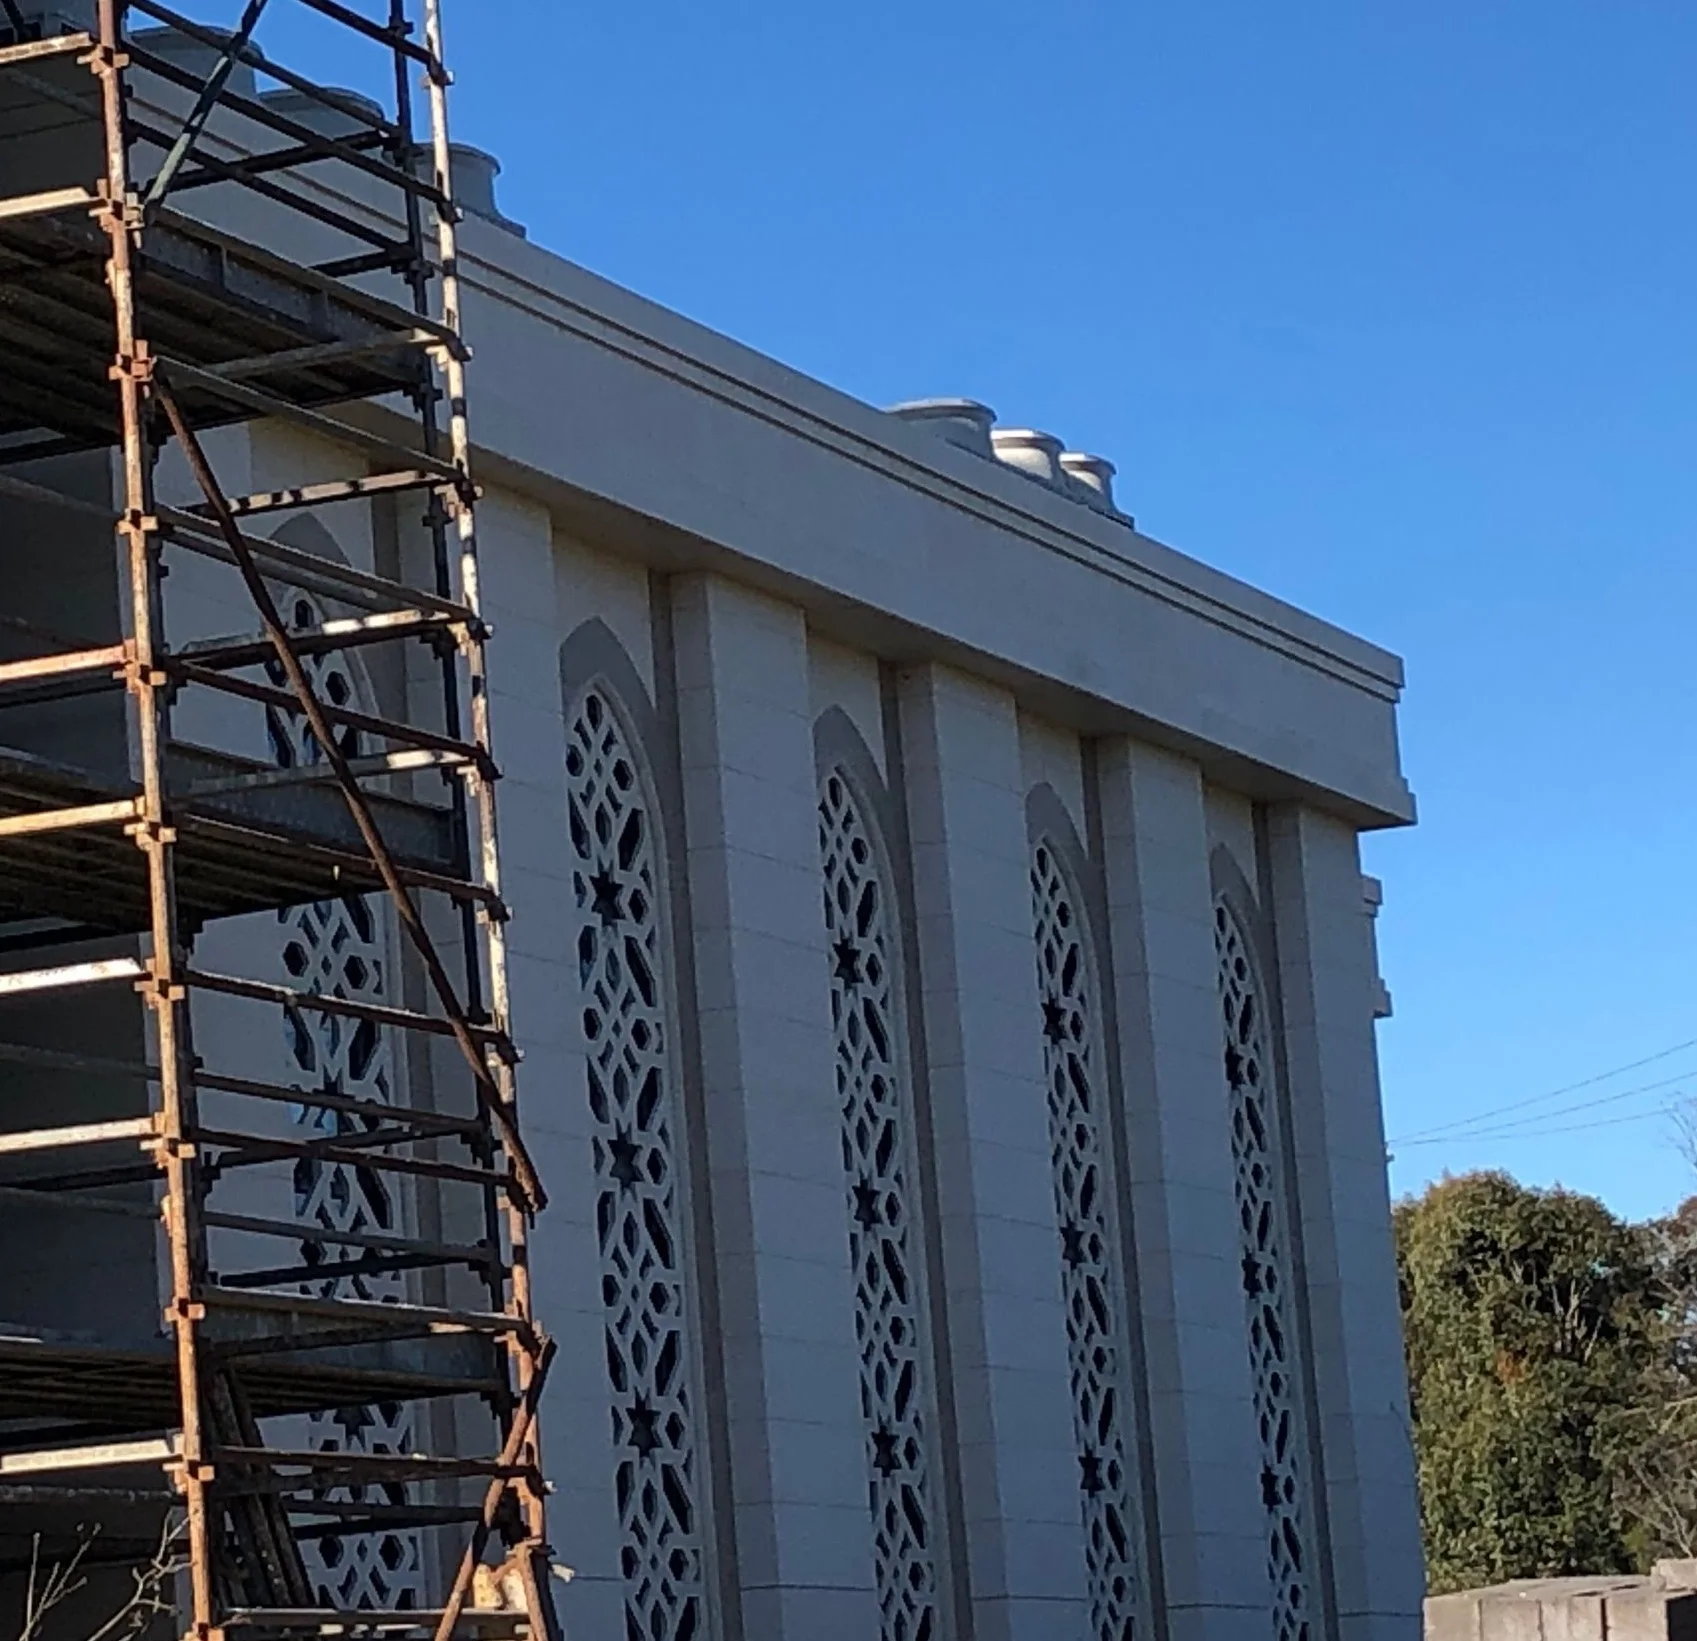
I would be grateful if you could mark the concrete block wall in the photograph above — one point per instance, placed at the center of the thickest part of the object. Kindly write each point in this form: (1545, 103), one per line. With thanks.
(1658, 1606)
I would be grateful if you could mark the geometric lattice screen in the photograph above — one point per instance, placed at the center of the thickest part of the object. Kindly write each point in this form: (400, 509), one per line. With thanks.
(637, 1146)
(338, 948)
(895, 1375)
(1091, 1278)
(1268, 1289)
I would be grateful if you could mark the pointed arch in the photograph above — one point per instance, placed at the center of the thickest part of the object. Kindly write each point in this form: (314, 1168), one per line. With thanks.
(1267, 1245)
(1096, 1282)
(883, 1189)
(617, 855)
(343, 948)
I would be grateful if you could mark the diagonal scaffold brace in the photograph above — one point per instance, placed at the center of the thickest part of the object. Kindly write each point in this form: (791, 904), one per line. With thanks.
(205, 104)
(533, 1556)
(524, 1182)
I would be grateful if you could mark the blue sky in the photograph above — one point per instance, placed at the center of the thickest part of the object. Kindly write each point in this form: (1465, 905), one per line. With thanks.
(1386, 309)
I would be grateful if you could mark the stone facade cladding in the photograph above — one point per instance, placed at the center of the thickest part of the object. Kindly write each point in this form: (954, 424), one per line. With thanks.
(1005, 1334)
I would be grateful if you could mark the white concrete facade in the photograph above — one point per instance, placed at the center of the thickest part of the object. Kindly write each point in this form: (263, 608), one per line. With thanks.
(802, 587)
(914, 1256)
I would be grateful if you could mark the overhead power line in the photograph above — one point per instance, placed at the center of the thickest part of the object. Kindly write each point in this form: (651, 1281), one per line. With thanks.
(1536, 1124)
(1535, 1119)
(1541, 1133)
(1486, 1116)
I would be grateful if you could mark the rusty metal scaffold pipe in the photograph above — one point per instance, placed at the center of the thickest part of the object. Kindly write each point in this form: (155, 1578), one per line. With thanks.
(527, 1185)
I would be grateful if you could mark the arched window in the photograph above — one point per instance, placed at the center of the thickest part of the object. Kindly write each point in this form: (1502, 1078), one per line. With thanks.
(878, 1159)
(638, 1157)
(1269, 1299)
(339, 948)
(1092, 1282)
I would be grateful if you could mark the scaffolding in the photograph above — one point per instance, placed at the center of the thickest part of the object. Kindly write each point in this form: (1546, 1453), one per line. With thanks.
(133, 324)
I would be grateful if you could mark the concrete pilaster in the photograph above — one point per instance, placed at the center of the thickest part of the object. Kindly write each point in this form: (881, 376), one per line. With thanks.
(981, 1017)
(803, 1530)
(1328, 982)
(1207, 1461)
(528, 716)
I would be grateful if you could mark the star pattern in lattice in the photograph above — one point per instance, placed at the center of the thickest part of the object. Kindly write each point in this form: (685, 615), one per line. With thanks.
(639, 1208)
(1092, 1282)
(895, 1384)
(1253, 1106)
(338, 948)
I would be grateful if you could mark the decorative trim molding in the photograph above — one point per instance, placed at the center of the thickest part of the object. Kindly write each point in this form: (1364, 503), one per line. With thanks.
(532, 282)
(1180, 581)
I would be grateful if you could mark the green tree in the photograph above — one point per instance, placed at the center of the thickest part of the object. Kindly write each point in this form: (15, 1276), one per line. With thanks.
(1656, 1480)
(1531, 1319)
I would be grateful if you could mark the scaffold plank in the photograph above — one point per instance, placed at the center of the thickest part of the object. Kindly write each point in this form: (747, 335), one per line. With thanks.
(66, 975)
(102, 658)
(57, 45)
(47, 203)
(92, 1456)
(370, 1314)
(75, 1134)
(69, 820)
